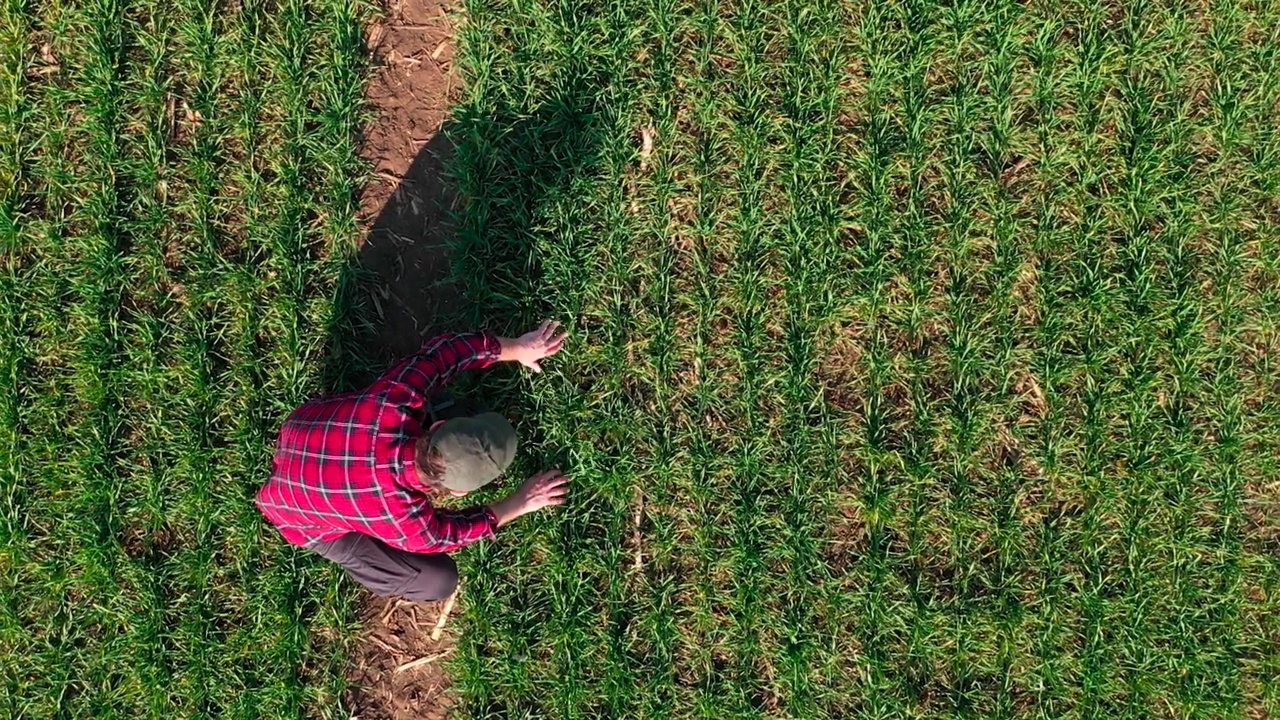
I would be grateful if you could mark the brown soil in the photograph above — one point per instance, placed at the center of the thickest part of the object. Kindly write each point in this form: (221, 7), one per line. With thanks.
(405, 210)
(405, 207)
(395, 633)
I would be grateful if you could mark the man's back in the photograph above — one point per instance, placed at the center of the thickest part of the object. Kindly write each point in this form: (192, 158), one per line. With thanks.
(345, 463)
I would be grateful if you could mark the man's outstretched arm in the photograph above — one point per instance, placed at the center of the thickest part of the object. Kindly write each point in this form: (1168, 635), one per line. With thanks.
(440, 530)
(444, 356)
(441, 358)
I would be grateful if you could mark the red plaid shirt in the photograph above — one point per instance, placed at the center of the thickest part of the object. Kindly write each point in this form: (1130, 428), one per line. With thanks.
(345, 463)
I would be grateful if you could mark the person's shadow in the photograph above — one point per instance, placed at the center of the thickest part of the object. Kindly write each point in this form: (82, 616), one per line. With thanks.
(453, 248)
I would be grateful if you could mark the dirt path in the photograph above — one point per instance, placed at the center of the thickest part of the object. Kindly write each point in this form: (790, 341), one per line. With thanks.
(397, 634)
(405, 211)
(405, 206)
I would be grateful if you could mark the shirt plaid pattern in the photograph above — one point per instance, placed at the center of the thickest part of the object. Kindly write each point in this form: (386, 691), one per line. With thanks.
(345, 463)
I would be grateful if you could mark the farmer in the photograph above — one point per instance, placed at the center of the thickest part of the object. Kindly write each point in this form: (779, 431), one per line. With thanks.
(354, 474)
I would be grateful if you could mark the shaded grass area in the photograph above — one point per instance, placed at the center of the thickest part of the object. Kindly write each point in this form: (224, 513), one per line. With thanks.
(176, 200)
(923, 367)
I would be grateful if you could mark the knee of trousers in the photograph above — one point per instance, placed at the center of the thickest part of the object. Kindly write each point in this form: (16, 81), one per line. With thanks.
(435, 580)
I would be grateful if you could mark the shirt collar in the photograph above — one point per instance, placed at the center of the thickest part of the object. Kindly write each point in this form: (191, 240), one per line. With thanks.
(408, 471)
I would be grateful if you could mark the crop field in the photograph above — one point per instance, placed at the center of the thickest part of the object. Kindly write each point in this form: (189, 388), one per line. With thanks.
(923, 358)
(173, 176)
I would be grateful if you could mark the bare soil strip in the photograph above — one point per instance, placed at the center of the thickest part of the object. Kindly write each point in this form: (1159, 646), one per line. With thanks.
(396, 668)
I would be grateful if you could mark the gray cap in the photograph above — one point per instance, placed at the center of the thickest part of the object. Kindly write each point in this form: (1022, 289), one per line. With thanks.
(474, 450)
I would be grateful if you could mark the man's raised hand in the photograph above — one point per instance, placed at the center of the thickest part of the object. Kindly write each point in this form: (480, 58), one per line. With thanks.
(533, 346)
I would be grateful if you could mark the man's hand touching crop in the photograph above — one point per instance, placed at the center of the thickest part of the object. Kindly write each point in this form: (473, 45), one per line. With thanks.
(542, 490)
(533, 346)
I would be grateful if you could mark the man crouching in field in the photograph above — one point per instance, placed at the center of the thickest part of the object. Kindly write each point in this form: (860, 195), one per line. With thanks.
(354, 474)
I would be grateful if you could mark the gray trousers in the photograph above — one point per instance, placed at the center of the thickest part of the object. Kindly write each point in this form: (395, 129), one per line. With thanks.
(388, 571)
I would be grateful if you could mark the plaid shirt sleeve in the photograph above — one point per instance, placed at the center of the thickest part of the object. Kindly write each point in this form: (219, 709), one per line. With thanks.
(438, 530)
(441, 358)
